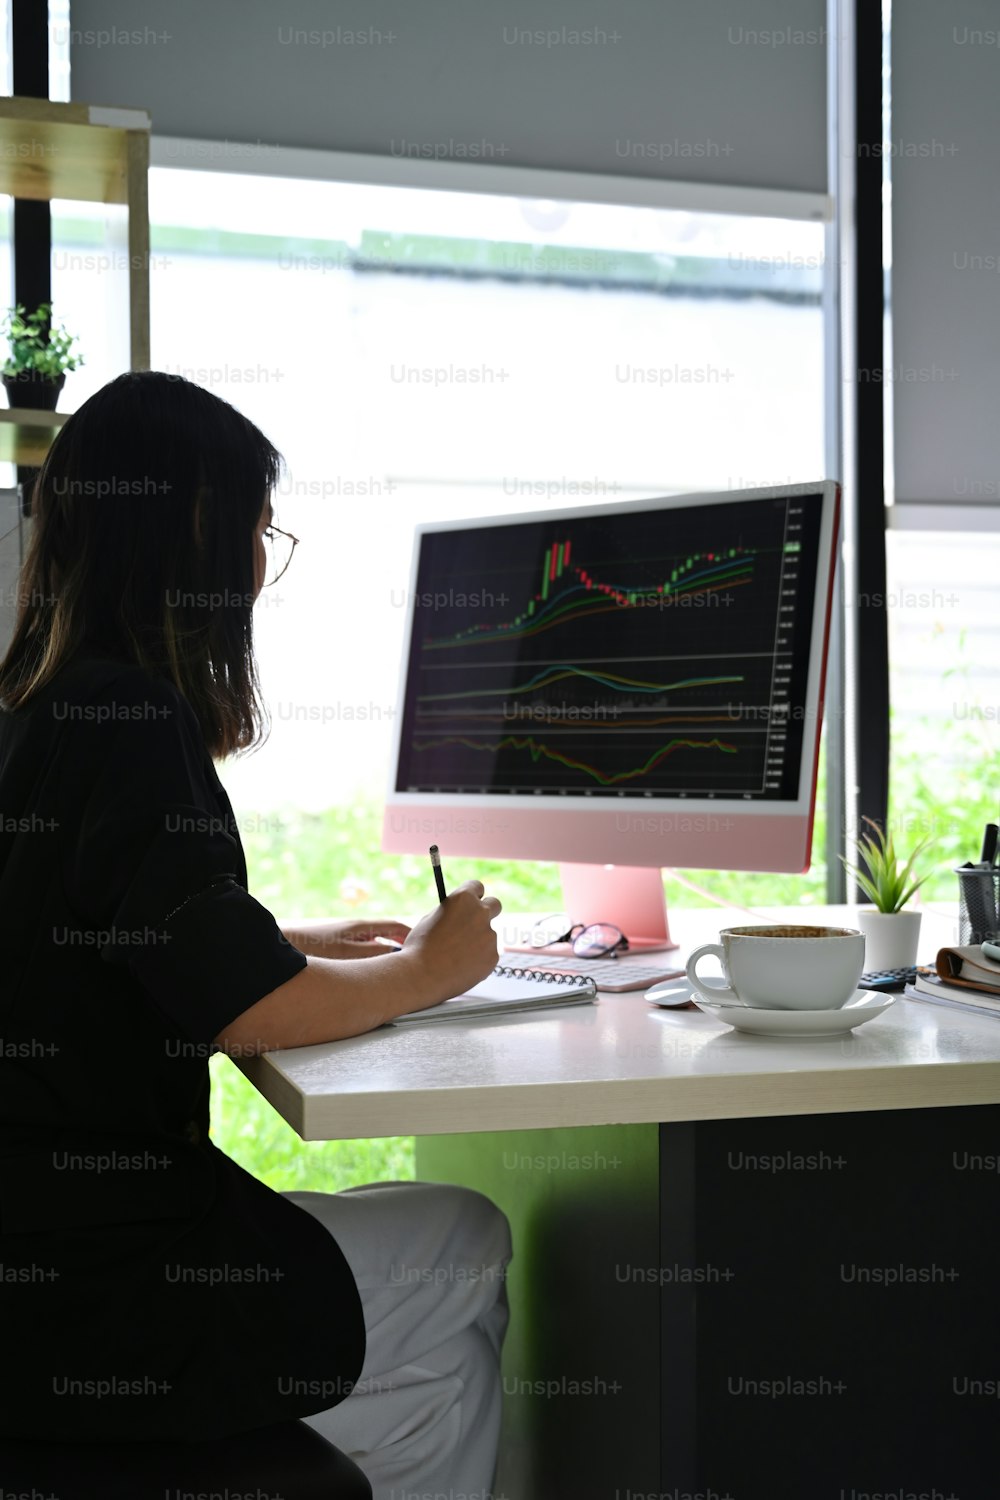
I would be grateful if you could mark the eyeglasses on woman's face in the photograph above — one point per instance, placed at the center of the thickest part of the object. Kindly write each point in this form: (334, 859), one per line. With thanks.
(278, 548)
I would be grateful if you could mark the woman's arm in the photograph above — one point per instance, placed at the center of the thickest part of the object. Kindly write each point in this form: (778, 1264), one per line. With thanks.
(448, 951)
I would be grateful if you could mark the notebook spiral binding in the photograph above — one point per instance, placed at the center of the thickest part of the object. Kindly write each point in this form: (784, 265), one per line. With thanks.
(512, 971)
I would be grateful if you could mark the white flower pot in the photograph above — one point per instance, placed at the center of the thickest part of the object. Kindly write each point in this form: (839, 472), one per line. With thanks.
(890, 938)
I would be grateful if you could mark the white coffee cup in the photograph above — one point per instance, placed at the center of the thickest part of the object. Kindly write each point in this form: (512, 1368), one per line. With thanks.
(783, 967)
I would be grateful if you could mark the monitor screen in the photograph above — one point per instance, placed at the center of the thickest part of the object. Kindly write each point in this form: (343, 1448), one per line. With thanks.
(645, 655)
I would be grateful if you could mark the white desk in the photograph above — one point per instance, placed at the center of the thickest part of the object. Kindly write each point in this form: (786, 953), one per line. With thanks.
(615, 1137)
(621, 1061)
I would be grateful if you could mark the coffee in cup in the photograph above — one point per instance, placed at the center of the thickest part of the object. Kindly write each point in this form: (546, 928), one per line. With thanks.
(783, 967)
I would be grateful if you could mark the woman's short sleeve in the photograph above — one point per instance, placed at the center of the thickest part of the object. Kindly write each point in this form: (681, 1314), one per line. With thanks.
(153, 867)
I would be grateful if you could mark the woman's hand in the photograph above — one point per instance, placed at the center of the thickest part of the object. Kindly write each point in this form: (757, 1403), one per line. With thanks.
(349, 938)
(455, 946)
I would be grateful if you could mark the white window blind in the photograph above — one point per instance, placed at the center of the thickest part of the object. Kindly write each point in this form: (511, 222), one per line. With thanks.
(945, 166)
(711, 91)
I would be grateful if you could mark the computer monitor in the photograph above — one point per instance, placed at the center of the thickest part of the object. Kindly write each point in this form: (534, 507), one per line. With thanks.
(619, 687)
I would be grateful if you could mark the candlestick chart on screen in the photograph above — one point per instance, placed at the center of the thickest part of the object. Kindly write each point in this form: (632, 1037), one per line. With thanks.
(648, 654)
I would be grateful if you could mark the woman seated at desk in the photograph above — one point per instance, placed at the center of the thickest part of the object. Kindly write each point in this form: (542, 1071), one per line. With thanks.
(166, 1293)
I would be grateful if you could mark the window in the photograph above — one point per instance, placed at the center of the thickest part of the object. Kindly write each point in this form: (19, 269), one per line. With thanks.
(945, 721)
(419, 354)
(941, 567)
(432, 355)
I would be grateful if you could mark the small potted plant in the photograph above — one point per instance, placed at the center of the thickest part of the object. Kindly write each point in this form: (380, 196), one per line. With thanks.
(35, 369)
(891, 934)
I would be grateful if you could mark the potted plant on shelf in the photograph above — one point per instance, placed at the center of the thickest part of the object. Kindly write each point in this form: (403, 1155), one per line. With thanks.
(891, 933)
(35, 369)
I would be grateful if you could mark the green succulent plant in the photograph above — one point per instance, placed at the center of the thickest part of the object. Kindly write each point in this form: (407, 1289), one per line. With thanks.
(886, 882)
(30, 351)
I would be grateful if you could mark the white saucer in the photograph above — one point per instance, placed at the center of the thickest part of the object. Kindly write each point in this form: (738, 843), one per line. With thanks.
(864, 1005)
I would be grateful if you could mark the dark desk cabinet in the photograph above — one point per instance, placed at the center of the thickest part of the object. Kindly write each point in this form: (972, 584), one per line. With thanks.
(795, 1308)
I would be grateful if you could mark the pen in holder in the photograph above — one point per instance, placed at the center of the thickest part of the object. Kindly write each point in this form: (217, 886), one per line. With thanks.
(978, 904)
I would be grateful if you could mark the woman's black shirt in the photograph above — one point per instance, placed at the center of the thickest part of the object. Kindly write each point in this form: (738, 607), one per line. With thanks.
(149, 1287)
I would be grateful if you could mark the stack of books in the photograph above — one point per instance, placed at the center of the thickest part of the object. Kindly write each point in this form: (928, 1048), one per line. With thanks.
(965, 980)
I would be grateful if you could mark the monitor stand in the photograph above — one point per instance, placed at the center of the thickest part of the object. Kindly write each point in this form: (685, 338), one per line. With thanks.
(630, 896)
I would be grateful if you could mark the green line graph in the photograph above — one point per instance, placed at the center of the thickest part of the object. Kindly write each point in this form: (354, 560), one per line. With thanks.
(549, 675)
(539, 751)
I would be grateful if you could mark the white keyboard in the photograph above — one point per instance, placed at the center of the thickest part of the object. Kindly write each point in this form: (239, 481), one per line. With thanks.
(635, 971)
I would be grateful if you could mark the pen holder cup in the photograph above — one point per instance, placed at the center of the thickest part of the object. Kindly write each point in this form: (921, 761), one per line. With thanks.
(978, 906)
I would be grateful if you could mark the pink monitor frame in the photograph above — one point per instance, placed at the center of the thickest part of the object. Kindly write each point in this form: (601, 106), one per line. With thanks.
(612, 855)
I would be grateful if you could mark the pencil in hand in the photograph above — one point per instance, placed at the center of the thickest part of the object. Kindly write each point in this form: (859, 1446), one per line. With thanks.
(435, 854)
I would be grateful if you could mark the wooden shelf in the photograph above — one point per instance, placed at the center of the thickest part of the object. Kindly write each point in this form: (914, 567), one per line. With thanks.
(91, 153)
(79, 151)
(26, 436)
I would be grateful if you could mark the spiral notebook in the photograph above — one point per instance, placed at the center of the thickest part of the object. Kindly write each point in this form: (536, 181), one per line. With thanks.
(509, 991)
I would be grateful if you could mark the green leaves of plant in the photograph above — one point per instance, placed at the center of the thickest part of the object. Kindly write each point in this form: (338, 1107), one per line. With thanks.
(887, 884)
(29, 348)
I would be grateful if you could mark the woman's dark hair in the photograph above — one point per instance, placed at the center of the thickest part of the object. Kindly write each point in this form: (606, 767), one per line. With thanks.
(144, 514)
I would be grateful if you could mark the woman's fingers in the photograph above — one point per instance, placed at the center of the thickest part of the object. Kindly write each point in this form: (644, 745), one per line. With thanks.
(398, 931)
(475, 886)
(363, 932)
